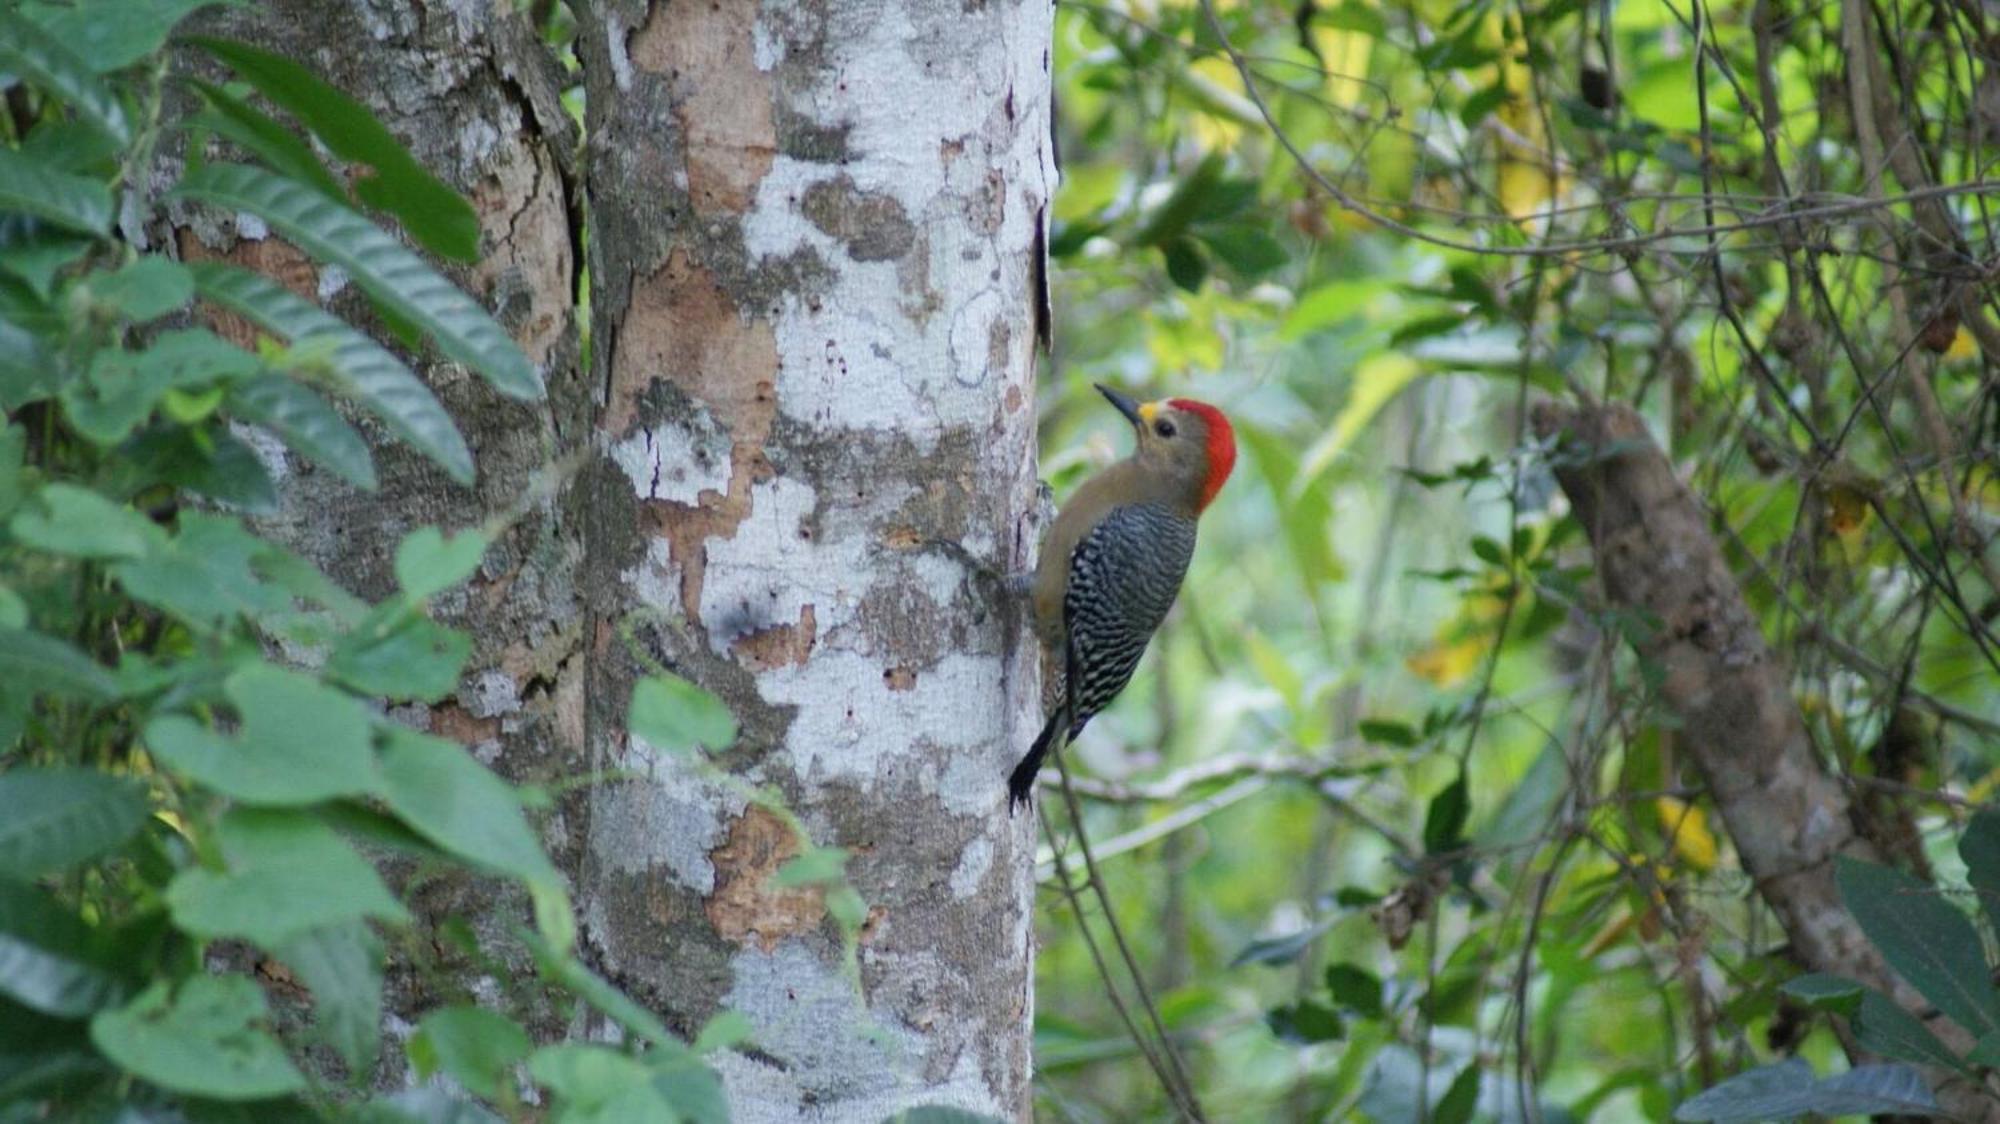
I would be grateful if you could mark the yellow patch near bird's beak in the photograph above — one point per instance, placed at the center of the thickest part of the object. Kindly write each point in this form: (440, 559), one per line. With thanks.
(1147, 410)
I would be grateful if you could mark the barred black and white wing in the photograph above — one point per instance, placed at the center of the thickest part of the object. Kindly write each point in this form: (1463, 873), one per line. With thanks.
(1123, 576)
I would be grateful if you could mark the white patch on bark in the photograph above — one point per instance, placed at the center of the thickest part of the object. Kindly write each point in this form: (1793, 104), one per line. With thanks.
(614, 42)
(884, 370)
(676, 461)
(973, 864)
(655, 583)
(843, 1061)
(672, 818)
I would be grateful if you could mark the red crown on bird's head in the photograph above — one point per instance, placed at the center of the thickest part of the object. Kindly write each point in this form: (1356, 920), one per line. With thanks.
(1221, 445)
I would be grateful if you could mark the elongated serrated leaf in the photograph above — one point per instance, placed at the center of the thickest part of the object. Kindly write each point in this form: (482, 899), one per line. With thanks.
(342, 966)
(1925, 938)
(1789, 1090)
(392, 274)
(51, 819)
(438, 218)
(42, 961)
(307, 424)
(36, 55)
(67, 201)
(361, 368)
(204, 1040)
(112, 34)
(39, 664)
(1881, 1025)
(252, 130)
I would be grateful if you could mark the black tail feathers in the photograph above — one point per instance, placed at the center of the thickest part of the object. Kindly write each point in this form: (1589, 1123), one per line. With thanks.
(1021, 782)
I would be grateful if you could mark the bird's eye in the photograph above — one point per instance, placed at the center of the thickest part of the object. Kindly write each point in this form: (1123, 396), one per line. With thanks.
(1164, 428)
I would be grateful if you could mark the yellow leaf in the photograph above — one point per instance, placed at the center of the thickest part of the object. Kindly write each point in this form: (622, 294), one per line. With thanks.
(1218, 92)
(1686, 827)
(1962, 346)
(1377, 379)
(1448, 663)
(1345, 55)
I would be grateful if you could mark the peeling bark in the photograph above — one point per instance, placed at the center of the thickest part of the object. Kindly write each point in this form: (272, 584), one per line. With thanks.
(1786, 813)
(816, 238)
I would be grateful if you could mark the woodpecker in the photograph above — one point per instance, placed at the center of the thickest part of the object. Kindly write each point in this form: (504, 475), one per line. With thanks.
(1113, 562)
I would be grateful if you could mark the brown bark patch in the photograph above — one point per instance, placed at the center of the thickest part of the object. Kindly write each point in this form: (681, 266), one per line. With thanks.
(780, 645)
(720, 98)
(746, 904)
(871, 225)
(449, 720)
(681, 326)
(274, 258)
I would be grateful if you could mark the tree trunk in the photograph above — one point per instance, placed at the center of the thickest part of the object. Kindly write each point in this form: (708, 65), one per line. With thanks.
(816, 244)
(1787, 815)
(474, 94)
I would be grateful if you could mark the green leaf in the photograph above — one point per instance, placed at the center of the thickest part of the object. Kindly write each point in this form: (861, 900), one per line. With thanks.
(440, 219)
(1246, 248)
(39, 664)
(598, 1084)
(342, 966)
(675, 716)
(1186, 266)
(1925, 939)
(1189, 200)
(477, 1047)
(428, 563)
(111, 35)
(307, 424)
(147, 289)
(300, 742)
(1882, 1026)
(400, 656)
(1444, 822)
(287, 874)
(425, 1105)
(254, 131)
(204, 1040)
(78, 523)
(123, 387)
(1385, 731)
(52, 819)
(1980, 848)
(40, 965)
(204, 574)
(359, 367)
(39, 57)
(1356, 989)
(376, 262)
(36, 253)
(1305, 1022)
(1788, 1090)
(437, 788)
(816, 867)
(1281, 950)
(691, 1087)
(1823, 992)
(1456, 1106)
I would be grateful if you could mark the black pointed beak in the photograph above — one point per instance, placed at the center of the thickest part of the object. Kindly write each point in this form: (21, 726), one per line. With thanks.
(1125, 405)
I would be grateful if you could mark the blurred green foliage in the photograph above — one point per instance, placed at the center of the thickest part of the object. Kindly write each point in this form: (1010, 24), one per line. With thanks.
(1392, 803)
